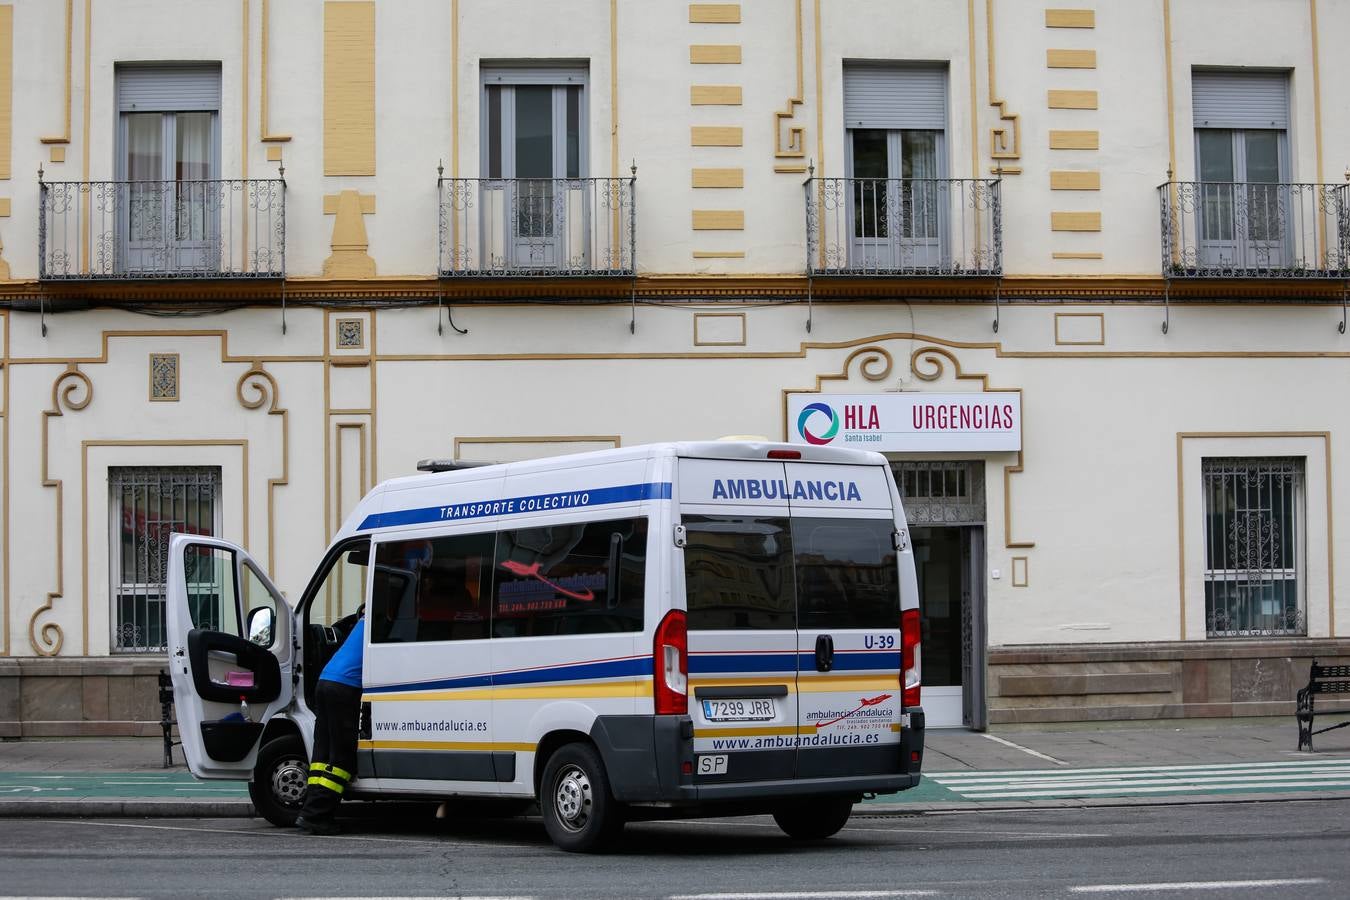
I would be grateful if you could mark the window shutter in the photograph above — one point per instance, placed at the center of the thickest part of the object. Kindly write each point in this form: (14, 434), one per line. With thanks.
(895, 97)
(175, 88)
(554, 74)
(1240, 99)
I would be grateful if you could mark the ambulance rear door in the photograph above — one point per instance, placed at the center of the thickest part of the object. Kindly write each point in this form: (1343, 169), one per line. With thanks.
(847, 580)
(742, 619)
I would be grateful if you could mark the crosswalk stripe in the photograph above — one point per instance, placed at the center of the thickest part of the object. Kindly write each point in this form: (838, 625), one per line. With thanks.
(1315, 763)
(1143, 778)
(1179, 787)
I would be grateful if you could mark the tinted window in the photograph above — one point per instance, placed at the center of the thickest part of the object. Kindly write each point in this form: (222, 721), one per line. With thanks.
(432, 589)
(578, 578)
(846, 573)
(738, 573)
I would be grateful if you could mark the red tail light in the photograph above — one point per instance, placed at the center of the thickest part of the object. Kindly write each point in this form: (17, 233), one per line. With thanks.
(911, 658)
(670, 665)
(785, 454)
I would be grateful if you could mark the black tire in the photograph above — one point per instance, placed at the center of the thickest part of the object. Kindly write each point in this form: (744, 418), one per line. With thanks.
(279, 777)
(580, 813)
(814, 820)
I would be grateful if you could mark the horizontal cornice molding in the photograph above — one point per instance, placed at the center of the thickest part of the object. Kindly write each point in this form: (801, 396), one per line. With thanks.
(1011, 288)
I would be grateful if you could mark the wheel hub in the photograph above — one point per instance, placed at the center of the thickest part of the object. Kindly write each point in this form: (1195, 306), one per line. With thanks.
(573, 798)
(288, 782)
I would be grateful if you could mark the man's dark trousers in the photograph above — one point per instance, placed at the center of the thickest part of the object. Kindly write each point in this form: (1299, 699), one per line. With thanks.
(337, 713)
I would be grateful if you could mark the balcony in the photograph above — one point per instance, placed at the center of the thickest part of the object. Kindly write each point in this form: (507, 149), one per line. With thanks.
(170, 230)
(536, 227)
(904, 227)
(1255, 230)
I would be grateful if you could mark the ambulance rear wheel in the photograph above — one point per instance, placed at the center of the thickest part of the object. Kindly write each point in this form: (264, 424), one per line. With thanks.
(813, 820)
(580, 813)
(279, 777)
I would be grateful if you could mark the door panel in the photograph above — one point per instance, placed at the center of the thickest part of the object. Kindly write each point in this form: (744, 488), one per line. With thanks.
(742, 617)
(848, 600)
(231, 657)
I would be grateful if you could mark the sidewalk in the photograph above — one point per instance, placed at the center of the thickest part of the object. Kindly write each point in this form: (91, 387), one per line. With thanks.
(1122, 764)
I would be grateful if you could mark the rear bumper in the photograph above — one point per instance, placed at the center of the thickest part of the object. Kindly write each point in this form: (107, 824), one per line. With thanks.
(646, 758)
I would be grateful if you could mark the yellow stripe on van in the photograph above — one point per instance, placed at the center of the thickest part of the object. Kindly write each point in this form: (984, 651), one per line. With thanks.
(896, 726)
(445, 745)
(816, 683)
(641, 687)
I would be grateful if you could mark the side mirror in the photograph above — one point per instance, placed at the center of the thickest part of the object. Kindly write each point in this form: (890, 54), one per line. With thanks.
(260, 622)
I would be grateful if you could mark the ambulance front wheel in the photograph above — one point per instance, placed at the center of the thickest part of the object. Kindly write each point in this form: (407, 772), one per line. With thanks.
(813, 820)
(279, 777)
(580, 813)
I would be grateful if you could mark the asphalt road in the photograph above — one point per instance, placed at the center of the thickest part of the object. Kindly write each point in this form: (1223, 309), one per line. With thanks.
(1293, 848)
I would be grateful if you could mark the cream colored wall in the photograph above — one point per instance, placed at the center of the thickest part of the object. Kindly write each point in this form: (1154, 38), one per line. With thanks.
(1094, 512)
(1101, 420)
(416, 59)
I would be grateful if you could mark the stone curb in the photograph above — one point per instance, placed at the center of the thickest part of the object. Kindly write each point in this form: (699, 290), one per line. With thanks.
(899, 810)
(128, 808)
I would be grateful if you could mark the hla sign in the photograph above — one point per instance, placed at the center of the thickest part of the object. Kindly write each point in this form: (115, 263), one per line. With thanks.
(907, 422)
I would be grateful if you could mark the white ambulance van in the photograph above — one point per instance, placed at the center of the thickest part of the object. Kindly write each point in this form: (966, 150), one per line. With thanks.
(658, 631)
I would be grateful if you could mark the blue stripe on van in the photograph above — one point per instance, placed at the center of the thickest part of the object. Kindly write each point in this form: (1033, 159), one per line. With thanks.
(844, 661)
(609, 668)
(455, 512)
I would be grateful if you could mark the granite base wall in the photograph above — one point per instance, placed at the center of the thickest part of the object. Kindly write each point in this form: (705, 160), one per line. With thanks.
(80, 697)
(1045, 684)
(1179, 680)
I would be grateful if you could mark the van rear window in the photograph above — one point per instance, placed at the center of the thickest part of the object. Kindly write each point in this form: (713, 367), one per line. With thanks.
(738, 573)
(771, 573)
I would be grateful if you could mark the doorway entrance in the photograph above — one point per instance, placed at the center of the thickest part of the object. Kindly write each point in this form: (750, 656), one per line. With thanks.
(944, 505)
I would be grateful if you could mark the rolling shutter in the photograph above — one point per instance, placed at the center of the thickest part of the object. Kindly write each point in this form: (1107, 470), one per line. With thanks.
(895, 97)
(175, 88)
(555, 74)
(1240, 99)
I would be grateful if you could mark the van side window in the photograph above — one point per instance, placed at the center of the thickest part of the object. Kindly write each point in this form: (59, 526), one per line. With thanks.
(573, 578)
(846, 573)
(738, 573)
(432, 589)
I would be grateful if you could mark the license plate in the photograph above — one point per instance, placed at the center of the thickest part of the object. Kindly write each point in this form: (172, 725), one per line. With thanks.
(758, 710)
(712, 764)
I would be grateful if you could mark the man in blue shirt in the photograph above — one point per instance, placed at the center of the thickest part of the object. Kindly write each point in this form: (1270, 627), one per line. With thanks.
(337, 712)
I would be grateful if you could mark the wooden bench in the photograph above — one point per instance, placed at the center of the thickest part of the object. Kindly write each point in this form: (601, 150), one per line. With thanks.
(1321, 680)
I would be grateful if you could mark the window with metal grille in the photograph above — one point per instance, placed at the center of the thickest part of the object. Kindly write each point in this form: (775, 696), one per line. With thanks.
(941, 492)
(1254, 553)
(147, 505)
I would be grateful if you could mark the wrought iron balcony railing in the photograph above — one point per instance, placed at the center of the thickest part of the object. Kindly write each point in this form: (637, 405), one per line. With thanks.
(522, 227)
(904, 227)
(229, 228)
(1213, 229)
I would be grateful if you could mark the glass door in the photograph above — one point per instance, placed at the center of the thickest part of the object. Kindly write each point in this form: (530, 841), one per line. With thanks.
(170, 203)
(896, 199)
(1242, 205)
(534, 167)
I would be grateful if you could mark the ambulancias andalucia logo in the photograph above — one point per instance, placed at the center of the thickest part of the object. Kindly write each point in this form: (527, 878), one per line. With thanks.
(808, 413)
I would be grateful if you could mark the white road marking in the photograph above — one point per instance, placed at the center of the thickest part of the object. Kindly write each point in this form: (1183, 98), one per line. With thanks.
(1186, 768)
(1193, 885)
(1036, 753)
(1049, 834)
(812, 895)
(1178, 787)
(431, 897)
(1075, 783)
(1071, 777)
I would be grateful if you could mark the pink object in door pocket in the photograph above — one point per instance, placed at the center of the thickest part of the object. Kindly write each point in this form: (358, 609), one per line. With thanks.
(239, 679)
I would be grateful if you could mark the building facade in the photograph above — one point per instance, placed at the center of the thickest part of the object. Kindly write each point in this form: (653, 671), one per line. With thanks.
(1080, 272)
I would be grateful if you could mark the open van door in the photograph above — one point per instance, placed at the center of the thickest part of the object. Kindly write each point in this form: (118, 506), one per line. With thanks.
(231, 653)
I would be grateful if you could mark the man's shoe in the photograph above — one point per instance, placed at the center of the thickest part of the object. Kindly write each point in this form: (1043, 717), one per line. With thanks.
(320, 827)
